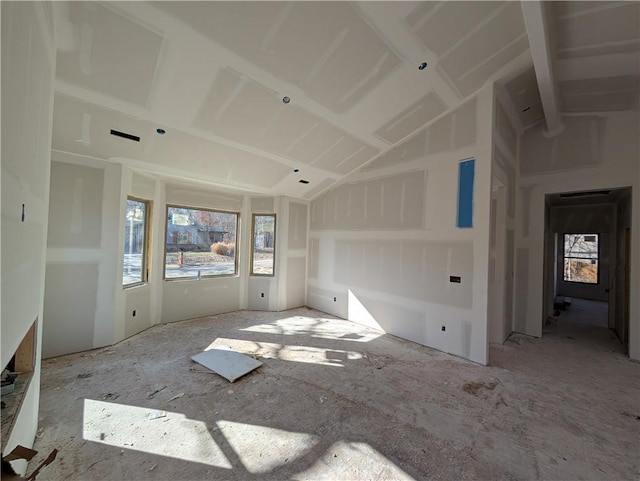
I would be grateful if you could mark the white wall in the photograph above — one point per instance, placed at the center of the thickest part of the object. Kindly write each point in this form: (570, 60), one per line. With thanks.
(287, 288)
(28, 65)
(263, 291)
(86, 305)
(593, 153)
(383, 245)
(293, 252)
(501, 240)
(82, 279)
(135, 307)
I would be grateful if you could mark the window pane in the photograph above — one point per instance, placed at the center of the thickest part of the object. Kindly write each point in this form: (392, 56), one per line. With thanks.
(581, 270)
(584, 246)
(135, 236)
(581, 258)
(200, 243)
(264, 244)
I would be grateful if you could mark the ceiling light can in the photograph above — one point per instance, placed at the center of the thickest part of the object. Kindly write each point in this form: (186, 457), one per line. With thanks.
(286, 100)
(160, 131)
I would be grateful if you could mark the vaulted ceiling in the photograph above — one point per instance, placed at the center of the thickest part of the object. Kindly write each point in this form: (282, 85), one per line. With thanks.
(214, 76)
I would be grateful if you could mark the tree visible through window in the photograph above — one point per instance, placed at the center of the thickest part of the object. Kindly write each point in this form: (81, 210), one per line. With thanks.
(134, 269)
(581, 258)
(264, 245)
(200, 243)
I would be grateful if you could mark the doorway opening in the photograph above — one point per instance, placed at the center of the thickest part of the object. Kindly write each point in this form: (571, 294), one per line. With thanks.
(586, 262)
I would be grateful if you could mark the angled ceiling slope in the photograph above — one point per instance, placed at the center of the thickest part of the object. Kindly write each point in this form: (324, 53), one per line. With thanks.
(213, 75)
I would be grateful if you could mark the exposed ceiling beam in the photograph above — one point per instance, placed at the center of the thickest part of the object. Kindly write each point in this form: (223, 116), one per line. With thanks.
(537, 30)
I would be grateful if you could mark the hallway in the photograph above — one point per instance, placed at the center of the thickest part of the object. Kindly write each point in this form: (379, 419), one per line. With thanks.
(584, 322)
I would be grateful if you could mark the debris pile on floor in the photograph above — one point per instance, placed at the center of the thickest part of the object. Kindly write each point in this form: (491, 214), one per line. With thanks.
(8, 381)
(20, 452)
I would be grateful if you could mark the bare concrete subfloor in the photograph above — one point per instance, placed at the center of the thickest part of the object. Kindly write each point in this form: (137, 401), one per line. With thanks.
(338, 401)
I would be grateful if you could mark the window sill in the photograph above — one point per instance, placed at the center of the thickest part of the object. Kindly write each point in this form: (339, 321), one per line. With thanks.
(203, 278)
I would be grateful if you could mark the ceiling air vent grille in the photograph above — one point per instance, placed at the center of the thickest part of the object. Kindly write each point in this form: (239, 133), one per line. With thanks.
(125, 135)
(593, 193)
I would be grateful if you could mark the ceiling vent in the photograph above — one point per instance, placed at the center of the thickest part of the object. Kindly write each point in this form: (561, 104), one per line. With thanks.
(593, 193)
(125, 135)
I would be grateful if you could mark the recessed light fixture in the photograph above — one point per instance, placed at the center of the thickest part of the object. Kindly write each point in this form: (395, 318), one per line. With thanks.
(161, 131)
(286, 100)
(422, 66)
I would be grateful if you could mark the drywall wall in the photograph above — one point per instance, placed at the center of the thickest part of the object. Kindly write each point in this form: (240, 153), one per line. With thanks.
(586, 219)
(186, 299)
(293, 254)
(383, 245)
(620, 293)
(263, 291)
(82, 278)
(138, 306)
(191, 299)
(503, 202)
(287, 288)
(558, 164)
(70, 307)
(28, 66)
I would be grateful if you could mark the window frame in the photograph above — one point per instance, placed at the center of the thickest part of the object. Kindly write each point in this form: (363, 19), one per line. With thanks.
(206, 209)
(597, 258)
(253, 243)
(146, 239)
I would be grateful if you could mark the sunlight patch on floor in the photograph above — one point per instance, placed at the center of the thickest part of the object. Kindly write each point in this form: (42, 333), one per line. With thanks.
(314, 327)
(357, 461)
(269, 350)
(262, 449)
(131, 427)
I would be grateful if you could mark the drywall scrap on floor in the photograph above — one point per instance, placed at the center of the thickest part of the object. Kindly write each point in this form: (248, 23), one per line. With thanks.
(21, 452)
(229, 364)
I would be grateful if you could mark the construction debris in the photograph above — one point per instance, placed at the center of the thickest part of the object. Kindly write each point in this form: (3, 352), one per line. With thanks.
(177, 396)
(20, 452)
(229, 364)
(150, 394)
(372, 360)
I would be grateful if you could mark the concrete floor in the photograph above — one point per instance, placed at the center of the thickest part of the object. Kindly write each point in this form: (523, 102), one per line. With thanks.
(338, 401)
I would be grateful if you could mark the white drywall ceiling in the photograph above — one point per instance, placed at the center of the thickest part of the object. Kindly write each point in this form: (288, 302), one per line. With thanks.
(213, 75)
